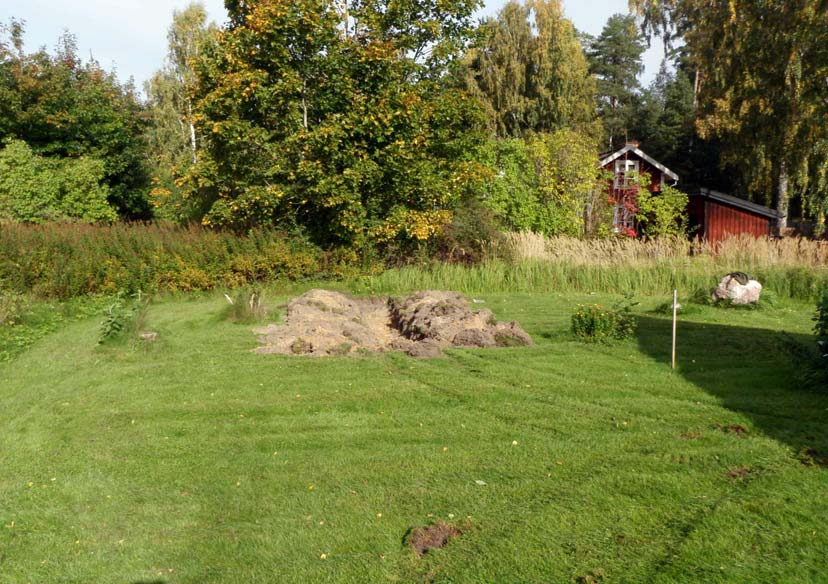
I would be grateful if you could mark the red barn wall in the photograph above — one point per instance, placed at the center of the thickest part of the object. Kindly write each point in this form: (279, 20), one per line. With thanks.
(723, 221)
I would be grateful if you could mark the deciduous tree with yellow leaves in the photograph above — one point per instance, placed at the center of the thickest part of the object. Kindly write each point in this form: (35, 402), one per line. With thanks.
(333, 117)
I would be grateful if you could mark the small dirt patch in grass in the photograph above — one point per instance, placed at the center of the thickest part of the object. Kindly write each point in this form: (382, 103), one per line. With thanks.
(431, 537)
(736, 429)
(593, 577)
(739, 472)
(690, 435)
(812, 457)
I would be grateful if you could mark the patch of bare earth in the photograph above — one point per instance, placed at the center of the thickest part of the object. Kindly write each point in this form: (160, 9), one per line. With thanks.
(736, 429)
(812, 457)
(739, 472)
(321, 322)
(431, 537)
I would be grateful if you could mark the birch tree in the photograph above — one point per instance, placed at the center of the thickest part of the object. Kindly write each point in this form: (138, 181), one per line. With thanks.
(172, 136)
(531, 70)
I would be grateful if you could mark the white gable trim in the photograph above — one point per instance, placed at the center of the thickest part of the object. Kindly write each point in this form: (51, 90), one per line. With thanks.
(640, 153)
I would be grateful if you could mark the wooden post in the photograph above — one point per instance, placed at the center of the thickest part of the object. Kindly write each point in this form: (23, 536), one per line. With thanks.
(675, 311)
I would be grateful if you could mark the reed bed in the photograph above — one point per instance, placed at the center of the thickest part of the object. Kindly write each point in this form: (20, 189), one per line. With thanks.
(792, 268)
(744, 251)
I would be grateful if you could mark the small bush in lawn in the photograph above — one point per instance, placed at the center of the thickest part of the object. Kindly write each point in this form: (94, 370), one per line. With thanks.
(821, 317)
(12, 308)
(245, 307)
(124, 318)
(702, 296)
(598, 323)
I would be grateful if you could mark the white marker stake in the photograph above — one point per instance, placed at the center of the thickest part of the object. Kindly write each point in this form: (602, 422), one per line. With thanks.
(675, 310)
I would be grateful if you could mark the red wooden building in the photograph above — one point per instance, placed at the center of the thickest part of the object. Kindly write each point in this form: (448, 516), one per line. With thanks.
(711, 215)
(715, 216)
(626, 164)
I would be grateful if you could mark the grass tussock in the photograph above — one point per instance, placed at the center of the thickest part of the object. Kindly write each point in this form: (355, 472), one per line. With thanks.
(124, 319)
(245, 307)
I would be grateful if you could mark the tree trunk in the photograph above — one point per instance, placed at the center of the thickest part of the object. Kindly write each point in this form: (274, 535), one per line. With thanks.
(193, 145)
(304, 105)
(696, 87)
(782, 199)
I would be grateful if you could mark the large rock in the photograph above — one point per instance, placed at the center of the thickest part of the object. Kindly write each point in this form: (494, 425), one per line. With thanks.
(739, 288)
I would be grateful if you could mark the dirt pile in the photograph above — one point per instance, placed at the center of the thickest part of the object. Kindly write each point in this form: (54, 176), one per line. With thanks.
(434, 319)
(321, 322)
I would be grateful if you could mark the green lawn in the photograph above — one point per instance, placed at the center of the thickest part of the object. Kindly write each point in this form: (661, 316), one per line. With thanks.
(197, 461)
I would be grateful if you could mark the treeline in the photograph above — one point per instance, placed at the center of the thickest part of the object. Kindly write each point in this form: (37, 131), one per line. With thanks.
(404, 124)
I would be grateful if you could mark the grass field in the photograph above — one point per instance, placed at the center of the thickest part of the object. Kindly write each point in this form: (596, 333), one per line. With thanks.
(196, 461)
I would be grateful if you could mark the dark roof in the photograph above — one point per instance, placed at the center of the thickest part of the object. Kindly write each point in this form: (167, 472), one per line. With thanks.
(607, 158)
(738, 203)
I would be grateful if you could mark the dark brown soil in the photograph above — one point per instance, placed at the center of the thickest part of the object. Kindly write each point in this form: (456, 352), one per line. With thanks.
(321, 322)
(594, 577)
(431, 537)
(811, 457)
(739, 472)
(736, 429)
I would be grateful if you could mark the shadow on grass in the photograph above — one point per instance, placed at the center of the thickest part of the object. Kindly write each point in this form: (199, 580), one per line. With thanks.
(754, 372)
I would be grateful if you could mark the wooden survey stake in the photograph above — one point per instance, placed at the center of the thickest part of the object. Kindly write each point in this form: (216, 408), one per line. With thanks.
(675, 311)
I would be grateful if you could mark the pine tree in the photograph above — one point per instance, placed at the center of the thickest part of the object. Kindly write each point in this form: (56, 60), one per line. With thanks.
(615, 58)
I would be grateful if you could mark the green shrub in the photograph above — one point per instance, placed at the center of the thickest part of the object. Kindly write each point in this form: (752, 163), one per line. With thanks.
(685, 307)
(124, 319)
(598, 323)
(12, 308)
(35, 189)
(662, 214)
(471, 234)
(821, 317)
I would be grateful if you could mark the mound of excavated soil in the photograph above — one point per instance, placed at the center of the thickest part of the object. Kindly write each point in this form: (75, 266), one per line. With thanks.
(321, 322)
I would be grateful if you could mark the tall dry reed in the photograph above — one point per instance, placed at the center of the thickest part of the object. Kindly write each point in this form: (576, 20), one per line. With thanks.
(742, 252)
